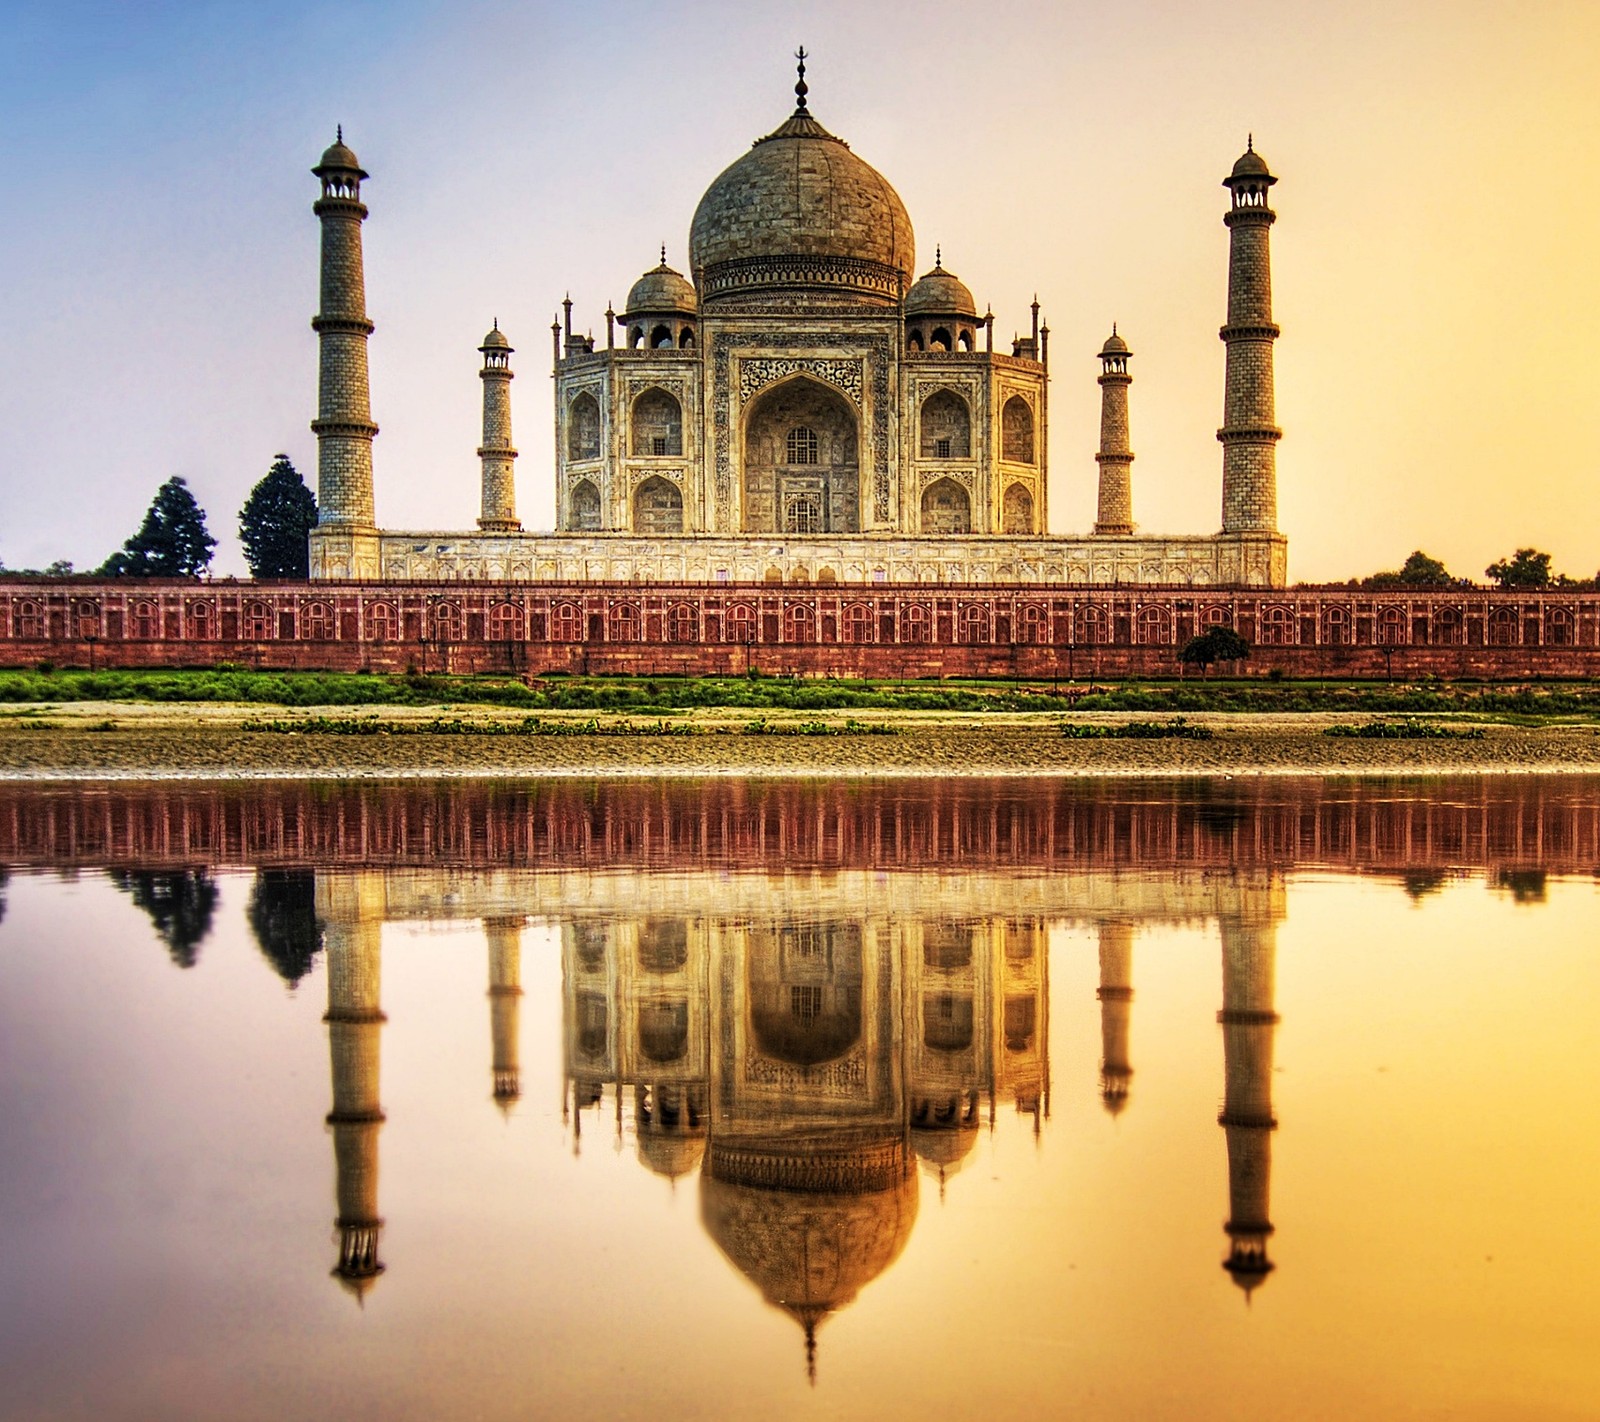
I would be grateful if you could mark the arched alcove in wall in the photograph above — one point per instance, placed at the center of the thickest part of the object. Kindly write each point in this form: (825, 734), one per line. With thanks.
(583, 514)
(802, 469)
(658, 507)
(583, 428)
(656, 424)
(805, 992)
(946, 508)
(945, 427)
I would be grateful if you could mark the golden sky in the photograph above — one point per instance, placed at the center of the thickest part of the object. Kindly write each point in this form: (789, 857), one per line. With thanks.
(1435, 275)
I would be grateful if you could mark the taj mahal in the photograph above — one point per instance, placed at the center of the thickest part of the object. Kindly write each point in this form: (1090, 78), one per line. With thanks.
(800, 408)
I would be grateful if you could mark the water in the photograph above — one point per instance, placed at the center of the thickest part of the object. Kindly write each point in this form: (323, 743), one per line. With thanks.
(1246, 1099)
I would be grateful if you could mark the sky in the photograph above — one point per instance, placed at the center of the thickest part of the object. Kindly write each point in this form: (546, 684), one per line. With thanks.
(1434, 268)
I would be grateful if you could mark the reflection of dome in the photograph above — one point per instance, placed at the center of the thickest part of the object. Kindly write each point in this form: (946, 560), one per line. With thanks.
(944, 1151)
(670, 1154)
(1248, 1272)
(810, 1250)
(800, 209)
(940, 293)
(662, 291)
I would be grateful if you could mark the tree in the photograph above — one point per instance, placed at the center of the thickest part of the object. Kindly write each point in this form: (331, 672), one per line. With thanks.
(1418, 571)
(172, 542)
(274, 523)
(283, 917)
(180, 902)
(1215, 644)
(1527, 568)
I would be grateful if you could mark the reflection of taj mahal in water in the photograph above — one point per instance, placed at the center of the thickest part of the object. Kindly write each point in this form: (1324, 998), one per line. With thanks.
(804, 1051)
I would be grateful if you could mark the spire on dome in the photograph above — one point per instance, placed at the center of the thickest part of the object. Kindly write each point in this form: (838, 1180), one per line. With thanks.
(800, 89)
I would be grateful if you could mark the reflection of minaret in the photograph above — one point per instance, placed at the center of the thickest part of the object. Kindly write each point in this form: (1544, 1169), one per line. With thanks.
(1116, 1007)
(354, 1023)
(505, 997)
(1248, 1022)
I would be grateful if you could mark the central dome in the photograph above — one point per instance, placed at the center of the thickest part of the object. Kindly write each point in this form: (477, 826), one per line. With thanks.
(800, 210)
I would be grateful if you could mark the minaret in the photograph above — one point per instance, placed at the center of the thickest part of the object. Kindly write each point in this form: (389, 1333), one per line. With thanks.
(1248, 1023)
(505, 1002)
(1115, 458)
(343, 426)
(499, 486)
(355, 1022)
(1249, 435)
(1116, 1007)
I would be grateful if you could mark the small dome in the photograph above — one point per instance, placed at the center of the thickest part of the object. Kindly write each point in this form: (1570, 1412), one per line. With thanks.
(940, 293)
(943, 1149)
(1250, 165)
(661, 290)
(1115, 345)
(495, 340)
(670, 1154)
(336, 158)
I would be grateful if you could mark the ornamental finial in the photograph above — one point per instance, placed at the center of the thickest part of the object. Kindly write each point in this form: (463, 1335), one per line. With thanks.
(800, 90)
(339, 130)
(938, 258)
(663, 254)
(1249, 143)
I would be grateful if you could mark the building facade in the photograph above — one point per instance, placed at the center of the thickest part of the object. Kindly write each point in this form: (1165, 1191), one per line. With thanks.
(799, 407)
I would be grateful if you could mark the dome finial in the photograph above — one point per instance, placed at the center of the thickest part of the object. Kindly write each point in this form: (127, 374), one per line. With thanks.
(938, 257)
(1249, 143)
(663, 254)
(800, 90)
(811, 1352)
(338, 129)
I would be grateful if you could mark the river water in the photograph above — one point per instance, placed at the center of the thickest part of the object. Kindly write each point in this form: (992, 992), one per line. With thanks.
(727, 1099)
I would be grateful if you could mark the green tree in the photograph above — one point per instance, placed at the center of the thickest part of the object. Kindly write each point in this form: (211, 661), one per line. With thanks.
(1215, 644)
(1526, 568)
(283, 917)
(274, 523)
(180, 902)
(1418, 571)
(172, 542)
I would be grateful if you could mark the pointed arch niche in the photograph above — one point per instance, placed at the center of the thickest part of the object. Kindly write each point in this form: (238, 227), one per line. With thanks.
(801, 460)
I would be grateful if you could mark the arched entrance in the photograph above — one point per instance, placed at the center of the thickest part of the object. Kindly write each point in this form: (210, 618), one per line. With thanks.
(801, 463)
(946, 508)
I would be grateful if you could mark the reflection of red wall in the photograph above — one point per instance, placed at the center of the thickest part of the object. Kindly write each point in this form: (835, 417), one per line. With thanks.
(1550, 823)
(700, 628)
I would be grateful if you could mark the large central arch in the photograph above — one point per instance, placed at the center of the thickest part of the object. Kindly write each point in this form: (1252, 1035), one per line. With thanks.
(802, 470)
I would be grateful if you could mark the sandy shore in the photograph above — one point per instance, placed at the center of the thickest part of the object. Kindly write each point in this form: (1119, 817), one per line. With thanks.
(158, 742)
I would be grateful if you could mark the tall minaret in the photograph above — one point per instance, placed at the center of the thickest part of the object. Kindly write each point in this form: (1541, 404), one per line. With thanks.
(343, 426)
(505, 999)
(1116, 1006)
(355, 1022)
(499, 487)
(1249, 435)
(1115, 458)
(1248, 1023)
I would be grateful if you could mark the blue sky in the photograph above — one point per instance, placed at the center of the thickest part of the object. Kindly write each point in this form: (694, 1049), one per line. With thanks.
(1434, 274)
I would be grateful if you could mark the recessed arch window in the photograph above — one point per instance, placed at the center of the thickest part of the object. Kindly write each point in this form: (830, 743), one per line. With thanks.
(316, 623)
(585, 507)
(740, 625)
(382, 622)
(945, 427)
(1016, 431)
(1016, 513)
(505, 622)
(801, 445)
(583, 428)
(657, 424)
(658, 507)
(623, 623)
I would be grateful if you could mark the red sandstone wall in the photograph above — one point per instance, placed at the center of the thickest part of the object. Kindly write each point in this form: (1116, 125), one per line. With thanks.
(824, 630)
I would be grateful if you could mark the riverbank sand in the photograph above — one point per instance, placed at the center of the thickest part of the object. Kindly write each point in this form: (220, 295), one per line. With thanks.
(104, 741)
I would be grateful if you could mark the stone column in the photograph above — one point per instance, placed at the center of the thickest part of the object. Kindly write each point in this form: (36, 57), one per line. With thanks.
(496, 453)
(343, 426)
(1115, 458)
(1248, 1023)
(1249, 435)
(505, 1007)
(355, 1024)
(1116, 1007)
